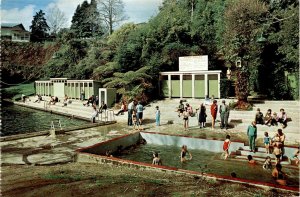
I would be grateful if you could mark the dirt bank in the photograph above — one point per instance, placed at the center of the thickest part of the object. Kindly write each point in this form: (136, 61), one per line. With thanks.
(76, 179)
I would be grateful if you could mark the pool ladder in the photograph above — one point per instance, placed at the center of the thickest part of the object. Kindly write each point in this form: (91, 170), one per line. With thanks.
(53, 125)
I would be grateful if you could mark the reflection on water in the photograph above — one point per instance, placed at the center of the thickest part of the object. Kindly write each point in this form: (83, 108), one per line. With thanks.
(207, 162)
(17, 119)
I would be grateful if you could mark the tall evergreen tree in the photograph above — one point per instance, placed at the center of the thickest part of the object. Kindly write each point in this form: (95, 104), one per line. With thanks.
(85, 21)
(39, 27)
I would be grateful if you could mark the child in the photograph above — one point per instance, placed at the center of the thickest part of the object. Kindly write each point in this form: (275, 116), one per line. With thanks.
(134, 120)
(157, 116)
(183, 153)
(250, 159)
(267, 142)
(156, 160)
(267, 165)
(226, 146)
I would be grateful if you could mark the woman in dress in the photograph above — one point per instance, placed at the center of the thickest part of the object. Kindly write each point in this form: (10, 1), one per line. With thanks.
(202, 116)
(213, 111)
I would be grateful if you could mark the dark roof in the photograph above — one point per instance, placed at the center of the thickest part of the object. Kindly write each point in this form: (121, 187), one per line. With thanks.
(10, 25)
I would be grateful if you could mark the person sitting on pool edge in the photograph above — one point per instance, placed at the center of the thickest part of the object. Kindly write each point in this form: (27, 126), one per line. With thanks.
(183, 153)
(156, 160)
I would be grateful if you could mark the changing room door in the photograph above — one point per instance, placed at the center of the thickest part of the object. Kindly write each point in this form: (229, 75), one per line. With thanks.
(59, 90)
(102, 96)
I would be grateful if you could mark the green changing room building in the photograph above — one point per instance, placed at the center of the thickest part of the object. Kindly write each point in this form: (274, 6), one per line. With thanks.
(72, 88)
(193, 80)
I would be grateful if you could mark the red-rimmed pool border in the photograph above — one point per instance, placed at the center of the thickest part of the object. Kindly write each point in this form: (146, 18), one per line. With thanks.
(173, 169)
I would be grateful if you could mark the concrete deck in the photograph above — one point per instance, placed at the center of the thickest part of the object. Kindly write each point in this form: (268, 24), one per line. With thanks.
(46, 150)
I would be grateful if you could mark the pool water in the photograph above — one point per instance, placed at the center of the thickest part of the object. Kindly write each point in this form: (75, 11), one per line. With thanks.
(207, 162)
(17, 119)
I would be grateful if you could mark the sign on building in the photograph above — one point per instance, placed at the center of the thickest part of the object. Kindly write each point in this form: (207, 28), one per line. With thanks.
(193, 63)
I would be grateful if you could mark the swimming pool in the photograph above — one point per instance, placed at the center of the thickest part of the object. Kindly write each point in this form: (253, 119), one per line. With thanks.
(206, 160)
(17, 120)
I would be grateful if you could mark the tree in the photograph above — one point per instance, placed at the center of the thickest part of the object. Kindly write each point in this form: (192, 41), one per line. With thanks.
(56, 19)
(242, 20)
(85, 21)
(39, 27)
(111, 12)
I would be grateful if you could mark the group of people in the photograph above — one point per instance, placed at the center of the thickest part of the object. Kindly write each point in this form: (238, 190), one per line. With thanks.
(185, 155)
(187, 111)
(271, 119)
(93, 100)
(278, 143)
(135, 114)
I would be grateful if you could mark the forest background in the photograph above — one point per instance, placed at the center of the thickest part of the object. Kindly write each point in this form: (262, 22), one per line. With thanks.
(262, 34)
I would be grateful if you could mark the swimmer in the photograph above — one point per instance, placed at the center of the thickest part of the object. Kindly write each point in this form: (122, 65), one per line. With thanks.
(156, 160)
(183, 154)
(279, 176)
(267, 165)
(297, 155)
(250, 159)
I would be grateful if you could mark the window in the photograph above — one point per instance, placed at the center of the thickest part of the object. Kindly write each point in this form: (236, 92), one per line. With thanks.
(175, 77)
(187, 77)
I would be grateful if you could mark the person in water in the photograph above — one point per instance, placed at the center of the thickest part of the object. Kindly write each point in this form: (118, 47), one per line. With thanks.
(156, 160)
(183, 154)
(250, 159)
(267, 164)
(279, 176)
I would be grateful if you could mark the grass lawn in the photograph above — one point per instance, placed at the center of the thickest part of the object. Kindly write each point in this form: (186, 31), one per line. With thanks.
(15, 92)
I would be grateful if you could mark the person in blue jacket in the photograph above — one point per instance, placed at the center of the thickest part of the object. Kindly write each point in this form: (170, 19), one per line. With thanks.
(252, 134)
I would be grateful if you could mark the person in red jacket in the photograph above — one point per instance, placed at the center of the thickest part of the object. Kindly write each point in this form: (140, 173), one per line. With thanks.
(213, 111)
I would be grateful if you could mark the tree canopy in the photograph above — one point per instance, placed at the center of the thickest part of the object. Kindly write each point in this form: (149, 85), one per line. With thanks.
(39, 27)
(131, 57)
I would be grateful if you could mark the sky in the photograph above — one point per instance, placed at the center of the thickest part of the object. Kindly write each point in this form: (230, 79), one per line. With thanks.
(22, 11)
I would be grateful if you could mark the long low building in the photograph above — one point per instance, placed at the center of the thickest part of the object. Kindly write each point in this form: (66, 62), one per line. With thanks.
(193, 80)
(72, 88)
(190, 84)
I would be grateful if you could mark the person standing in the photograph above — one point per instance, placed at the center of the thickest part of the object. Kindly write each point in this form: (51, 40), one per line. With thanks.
(226, 146)
(202, 116)
(180, 108)
(213, 112)
(281, 136)
(224, 114)
(186, 119)
(139, 115)
(82, 94)
(252, 134)
(94, 114)
(157, 116)
(130, 110)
